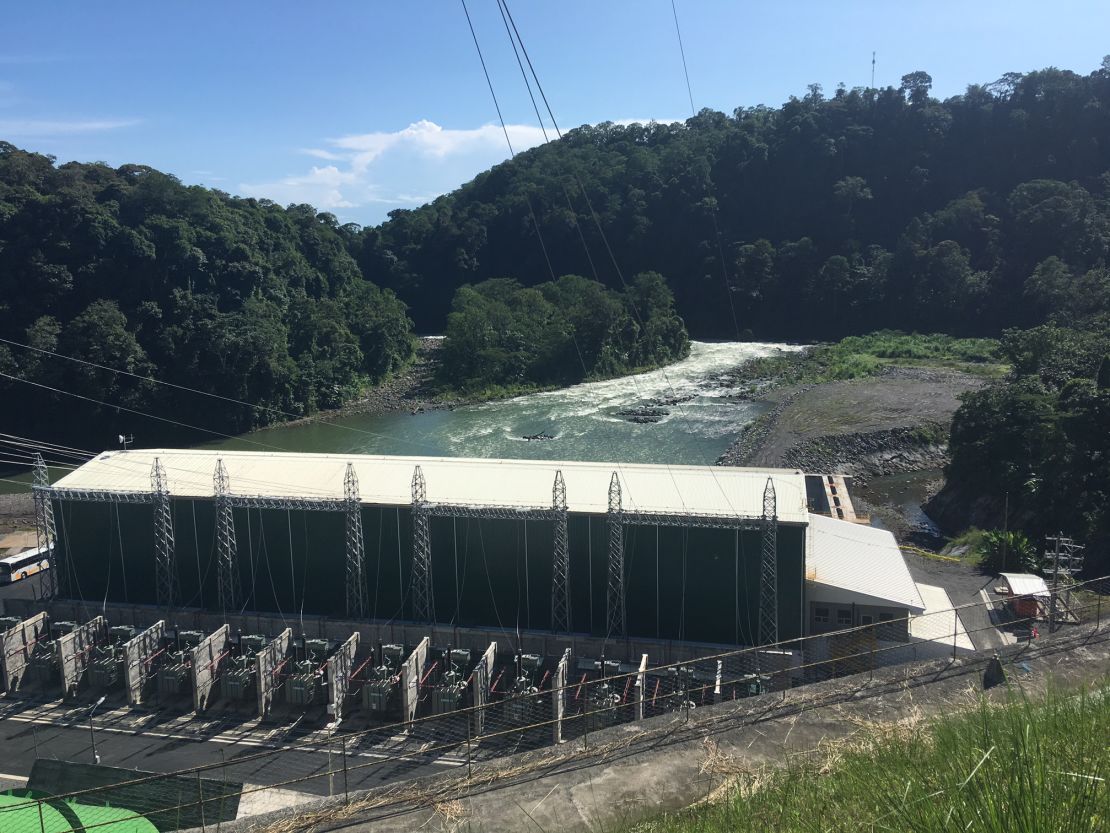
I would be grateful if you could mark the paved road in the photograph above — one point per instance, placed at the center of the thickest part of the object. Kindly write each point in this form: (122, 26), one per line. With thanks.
(170, 742)
(169, 739)
(26, 589)
(965, 585)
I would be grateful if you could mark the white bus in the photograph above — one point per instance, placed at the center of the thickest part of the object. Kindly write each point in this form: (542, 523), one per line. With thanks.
(23, 565)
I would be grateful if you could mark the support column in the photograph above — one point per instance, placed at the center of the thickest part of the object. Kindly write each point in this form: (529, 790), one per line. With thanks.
(480, 681)
(615, 591)
(769, 570)
(338, 670)
(355, 548)
(423, 610)
(75, 651)
(227, 552)
(559, 696)
(268, 665)
(16, 647)
(53, 580)
(207, 658)
(641, 685)
(560, 593)
(139, 653)
(165, 571)
(410, 680)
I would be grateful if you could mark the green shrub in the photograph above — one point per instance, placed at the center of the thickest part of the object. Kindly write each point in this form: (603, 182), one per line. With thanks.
(1009, 551)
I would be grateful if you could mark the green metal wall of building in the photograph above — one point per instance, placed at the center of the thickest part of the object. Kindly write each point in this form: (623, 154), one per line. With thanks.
(688, 584)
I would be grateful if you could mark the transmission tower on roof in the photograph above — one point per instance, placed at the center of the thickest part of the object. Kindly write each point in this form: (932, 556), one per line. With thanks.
(46, 533)
(560, 595)
(227, 551)
(355, 549)
(165, 571)
(423, 609)
(769, 569)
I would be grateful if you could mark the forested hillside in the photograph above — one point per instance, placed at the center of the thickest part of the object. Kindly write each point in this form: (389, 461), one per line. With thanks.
(132, 270)
(838, 213)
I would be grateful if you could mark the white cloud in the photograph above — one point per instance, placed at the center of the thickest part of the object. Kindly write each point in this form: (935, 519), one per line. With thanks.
(400, 169)
(40, 128)
(428, 138)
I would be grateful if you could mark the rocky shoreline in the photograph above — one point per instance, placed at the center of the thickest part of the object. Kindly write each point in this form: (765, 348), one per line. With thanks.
(754, 435)
(889, 432)
(410, 389)
(875, 453)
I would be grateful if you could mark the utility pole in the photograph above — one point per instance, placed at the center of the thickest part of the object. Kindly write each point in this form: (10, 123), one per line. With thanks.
(1005, 530)
(1067, 560)
(872, 70)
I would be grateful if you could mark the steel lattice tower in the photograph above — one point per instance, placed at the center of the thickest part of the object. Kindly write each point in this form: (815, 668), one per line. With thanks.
(165, 573)
(615, 594)
(227, 551)
(560, 594)
(356, 550)
(423, 610)
(769, 570)
(46, 533)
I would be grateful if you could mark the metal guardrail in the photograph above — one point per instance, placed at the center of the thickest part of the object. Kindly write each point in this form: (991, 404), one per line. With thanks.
(328, 763)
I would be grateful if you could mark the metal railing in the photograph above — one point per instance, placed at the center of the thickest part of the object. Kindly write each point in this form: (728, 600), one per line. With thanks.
(376, 769)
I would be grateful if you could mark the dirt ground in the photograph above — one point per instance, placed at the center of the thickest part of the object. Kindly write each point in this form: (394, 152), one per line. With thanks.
(901, 397)
(17, 512)
(407, 390)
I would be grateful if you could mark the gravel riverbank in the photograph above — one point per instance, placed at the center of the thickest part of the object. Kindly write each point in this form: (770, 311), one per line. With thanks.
(409, 390)
(895, 421)
(870, 429)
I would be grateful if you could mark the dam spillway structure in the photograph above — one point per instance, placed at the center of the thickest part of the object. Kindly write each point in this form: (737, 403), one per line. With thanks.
(612, 551)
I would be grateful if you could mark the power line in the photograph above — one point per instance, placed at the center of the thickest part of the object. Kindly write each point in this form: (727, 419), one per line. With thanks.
(713, 208)
(508, 141)
(134, 411)
(233, 400)
(45, 444)
(682, 52)
(543, 129)
(504, 5)
(31, 450)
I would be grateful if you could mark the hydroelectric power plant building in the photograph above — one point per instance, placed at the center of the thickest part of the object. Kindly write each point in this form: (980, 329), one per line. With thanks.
(699, 554)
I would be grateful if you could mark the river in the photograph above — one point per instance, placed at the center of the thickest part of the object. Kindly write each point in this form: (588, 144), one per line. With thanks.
(582, 420)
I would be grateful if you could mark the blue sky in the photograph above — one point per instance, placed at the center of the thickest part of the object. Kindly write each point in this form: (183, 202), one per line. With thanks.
(363, 107)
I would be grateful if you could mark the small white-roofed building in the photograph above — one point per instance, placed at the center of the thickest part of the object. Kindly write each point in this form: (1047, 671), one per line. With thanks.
(1029, 596)
(856, 575)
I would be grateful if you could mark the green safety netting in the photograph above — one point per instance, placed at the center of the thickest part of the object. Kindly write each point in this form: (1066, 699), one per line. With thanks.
(24, 811)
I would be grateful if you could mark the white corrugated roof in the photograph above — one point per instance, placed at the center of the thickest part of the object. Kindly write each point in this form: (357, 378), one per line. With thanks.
(849, 562)
(1025, 584)
(387, 480)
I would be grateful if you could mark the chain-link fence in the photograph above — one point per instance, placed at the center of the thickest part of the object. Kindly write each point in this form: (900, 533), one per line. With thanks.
(532, 702)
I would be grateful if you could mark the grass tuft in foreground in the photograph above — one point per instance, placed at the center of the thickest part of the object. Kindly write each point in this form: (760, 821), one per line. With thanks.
(1023, 767)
